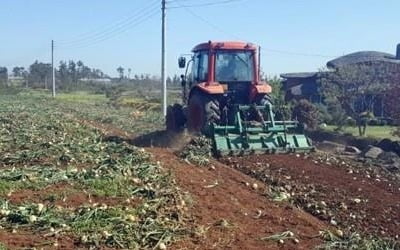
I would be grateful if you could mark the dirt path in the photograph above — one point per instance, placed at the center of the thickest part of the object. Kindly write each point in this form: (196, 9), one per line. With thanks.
(355, 201)
(227, 213)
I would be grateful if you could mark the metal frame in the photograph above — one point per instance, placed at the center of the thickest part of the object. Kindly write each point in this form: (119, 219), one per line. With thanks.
(269, 136)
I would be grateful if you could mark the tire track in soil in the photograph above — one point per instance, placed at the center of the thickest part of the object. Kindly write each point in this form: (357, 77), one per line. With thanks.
(232, 200)
(377, 212)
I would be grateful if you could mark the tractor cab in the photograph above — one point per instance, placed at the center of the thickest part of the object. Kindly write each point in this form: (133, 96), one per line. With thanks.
(228, 68)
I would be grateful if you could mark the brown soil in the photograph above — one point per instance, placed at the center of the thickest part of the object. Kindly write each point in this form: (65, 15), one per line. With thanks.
(376, 212)
(227, 213)
(224, 211)
(105, 129)
(63, 194)
(66, 196)
(27, 240)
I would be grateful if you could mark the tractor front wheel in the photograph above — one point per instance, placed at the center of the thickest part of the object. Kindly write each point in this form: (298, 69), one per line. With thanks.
(203, 110)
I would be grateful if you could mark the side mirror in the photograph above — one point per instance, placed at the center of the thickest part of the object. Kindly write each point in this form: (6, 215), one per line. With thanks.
(182, 62)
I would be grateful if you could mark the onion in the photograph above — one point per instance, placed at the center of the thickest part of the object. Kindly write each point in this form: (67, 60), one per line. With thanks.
(32, 218)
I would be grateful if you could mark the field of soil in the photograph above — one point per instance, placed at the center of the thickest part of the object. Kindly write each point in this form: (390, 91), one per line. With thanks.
(74, 177)
(226, 211)
(332, 193)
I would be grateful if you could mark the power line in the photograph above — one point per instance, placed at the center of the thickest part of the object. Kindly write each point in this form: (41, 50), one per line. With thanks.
(202, 4)
(210, 23)
(110, 28)
(133, 23)
(285, 52)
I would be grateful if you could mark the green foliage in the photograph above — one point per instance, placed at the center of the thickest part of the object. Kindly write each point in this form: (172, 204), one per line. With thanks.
(355, 242)
(44, 142)
(350, 122)
(3, 247)
(282, 109)
(306, 113)
(3, 76)
(82, 97)
(39, 74)
(278, 93)
(198, 151)
(378, 132)
(19, 71)
(109, 187)
(355, 88)
(9, 90)
(324, 114)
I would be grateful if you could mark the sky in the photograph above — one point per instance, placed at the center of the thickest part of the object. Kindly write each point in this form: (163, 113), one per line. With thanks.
(295, 35)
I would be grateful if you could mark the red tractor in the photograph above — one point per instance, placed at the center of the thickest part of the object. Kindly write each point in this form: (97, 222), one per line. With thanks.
(225, 99)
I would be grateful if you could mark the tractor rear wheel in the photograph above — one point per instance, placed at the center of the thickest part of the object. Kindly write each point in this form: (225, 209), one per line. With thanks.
(264, 100)
(203, 110)
(175, 120)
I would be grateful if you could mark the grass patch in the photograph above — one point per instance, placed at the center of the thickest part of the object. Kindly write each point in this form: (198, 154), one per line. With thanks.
(81, 97)
(119, 187)
(378, 132)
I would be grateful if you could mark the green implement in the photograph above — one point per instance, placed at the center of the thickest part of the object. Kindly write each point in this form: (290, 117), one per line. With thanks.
(265, 135)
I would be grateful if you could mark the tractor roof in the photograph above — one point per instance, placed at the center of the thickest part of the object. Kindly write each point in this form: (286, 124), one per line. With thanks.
(229, 45)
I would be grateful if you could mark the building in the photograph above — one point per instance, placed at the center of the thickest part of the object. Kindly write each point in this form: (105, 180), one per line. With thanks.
(302, 86)
(306, 85)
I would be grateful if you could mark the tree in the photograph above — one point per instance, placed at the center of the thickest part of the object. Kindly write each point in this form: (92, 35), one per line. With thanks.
(391, 103)
(278, 94)
(3, 76)
(129, 73)
(282, 109)
(38, 73)
(120, 71)
(356, 88)
(63, 73)
(72, 71)
(80, 69)
(169, 81)
(306, 113)
(18, 71)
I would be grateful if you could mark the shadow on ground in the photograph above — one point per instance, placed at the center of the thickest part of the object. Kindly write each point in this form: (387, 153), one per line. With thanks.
(159, 139)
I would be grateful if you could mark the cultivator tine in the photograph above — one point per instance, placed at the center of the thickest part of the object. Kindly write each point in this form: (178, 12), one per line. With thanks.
(265, 137)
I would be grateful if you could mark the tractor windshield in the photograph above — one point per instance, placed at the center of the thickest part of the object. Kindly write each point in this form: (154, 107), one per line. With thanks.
(234, 66)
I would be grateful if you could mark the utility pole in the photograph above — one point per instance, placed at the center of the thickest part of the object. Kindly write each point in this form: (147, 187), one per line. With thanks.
(52, 68)
(163, 62)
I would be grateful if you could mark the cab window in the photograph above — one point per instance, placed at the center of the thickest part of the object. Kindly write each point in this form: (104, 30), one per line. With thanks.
(200, 67)
(234, 66)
